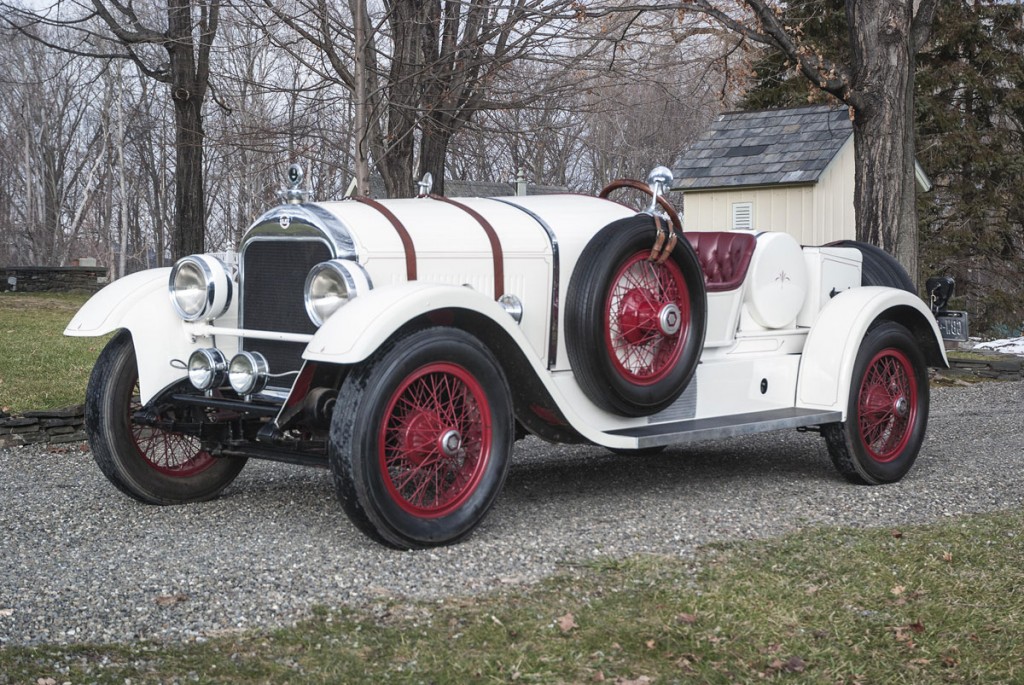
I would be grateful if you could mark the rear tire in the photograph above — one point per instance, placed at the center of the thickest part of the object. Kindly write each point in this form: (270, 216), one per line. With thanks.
(420, 439)
(149, 464)
(887, 412)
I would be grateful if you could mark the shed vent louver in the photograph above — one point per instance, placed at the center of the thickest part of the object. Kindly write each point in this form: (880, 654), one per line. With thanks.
(742, 216)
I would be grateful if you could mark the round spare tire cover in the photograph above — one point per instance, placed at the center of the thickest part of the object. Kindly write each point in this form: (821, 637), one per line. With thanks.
(776, 280)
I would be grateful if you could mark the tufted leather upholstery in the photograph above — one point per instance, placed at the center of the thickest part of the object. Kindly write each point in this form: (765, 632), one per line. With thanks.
(724, 257)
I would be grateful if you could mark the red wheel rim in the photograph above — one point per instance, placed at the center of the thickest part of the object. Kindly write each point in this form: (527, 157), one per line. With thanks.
(172, 454)
(647, 315)
(435, 440)
(887, 405)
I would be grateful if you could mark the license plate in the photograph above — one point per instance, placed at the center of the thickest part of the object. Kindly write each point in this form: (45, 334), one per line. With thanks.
(953, 325)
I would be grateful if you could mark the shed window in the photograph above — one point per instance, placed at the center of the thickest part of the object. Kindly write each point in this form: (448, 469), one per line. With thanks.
(742, 216)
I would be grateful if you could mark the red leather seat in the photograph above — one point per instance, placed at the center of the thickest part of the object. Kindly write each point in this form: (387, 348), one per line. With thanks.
(724, 257)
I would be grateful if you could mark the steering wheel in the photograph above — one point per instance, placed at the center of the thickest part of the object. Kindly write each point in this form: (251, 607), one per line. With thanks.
(665, 205)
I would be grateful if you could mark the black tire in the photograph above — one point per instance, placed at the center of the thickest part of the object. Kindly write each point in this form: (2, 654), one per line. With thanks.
(148, 464)
(639, 368)
(887, 413)
(878, 267)
(388, 450)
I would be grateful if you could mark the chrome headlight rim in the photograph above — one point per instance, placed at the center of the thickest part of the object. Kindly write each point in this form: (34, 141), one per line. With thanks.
(350, 278)
(216, 286)
(248, 373)
(211, 362)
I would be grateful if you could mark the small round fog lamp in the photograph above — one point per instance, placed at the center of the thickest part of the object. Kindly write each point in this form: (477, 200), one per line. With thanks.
(207, 368)
(248, 373)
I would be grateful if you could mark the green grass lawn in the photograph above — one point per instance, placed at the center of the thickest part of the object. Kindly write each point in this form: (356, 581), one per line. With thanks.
(934, 604)
(39, 367)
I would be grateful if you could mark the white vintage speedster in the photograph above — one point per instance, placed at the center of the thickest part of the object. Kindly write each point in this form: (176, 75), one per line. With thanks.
(406, 344)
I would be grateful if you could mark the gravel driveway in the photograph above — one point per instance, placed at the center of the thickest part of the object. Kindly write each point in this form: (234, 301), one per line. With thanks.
(81, 562)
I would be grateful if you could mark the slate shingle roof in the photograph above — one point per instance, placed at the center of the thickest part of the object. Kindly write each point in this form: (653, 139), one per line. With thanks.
(785, 146)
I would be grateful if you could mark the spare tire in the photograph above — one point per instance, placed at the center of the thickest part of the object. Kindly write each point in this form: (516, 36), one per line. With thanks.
(878, 267)
(634, 328)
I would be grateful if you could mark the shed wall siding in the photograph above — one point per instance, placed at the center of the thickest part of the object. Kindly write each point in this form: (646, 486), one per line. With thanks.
(813, 214)
(788, 209)
(833, 198)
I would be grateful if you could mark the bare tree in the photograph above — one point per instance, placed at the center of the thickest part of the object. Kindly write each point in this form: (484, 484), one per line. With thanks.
(425, 68)
(176, 53)
(54, 143)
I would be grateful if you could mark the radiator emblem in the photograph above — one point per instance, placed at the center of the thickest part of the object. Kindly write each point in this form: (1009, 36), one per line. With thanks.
(285, 221)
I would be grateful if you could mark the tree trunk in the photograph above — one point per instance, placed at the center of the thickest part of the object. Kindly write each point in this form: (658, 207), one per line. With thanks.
(882, 95)
(434, 152)
(361, 104)
(188, 90)
(189, 197)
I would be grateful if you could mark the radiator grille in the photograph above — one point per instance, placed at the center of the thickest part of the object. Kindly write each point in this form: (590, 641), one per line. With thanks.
(273, 277)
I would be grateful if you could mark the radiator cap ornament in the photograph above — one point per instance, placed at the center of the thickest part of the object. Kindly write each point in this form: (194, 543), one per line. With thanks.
(291, 194)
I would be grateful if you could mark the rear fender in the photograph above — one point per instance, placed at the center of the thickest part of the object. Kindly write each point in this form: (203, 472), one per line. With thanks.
(139, 303)
(826, 367)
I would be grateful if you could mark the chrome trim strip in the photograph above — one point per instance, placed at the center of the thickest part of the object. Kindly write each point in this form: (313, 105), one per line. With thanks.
(555, 275)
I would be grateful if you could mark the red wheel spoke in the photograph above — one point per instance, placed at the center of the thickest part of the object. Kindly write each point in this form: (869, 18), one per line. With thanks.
(887, 405)
(639, 348)
(172, 454)
(439, 402)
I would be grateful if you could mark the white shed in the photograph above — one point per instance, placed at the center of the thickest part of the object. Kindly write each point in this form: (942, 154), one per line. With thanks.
(788, 170)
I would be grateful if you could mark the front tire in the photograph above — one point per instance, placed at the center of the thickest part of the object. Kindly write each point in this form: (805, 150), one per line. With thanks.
(149, 464)
(420, 439)
(887, 412)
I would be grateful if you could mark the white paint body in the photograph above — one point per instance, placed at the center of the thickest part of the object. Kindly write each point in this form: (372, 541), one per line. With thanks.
(786, 338)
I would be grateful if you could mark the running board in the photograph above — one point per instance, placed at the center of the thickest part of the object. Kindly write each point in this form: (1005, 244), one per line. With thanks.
(721, 427)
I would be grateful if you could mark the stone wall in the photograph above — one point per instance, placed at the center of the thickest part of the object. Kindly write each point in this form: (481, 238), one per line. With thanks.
(1002, 367)
(53, 426)
(37, 279)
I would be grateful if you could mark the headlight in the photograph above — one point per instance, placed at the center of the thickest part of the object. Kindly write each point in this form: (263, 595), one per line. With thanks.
(207, 368)
(247, 373)
(330, 285)
(200, 287)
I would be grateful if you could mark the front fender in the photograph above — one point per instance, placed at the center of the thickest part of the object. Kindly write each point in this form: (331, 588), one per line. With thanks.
(107, 310)
(139, 302)
(364, 324)
(826, 367)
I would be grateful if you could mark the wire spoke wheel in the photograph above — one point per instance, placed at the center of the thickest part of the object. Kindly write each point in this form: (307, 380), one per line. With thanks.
(634, 328)
(420, 447)
(887, 405)
(147, 462)
(887, 409)
(173, 454)
(647, 306)
(436, 439)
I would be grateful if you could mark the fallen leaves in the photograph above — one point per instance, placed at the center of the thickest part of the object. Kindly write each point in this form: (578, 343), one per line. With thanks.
(793, 664)
(567, 623)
